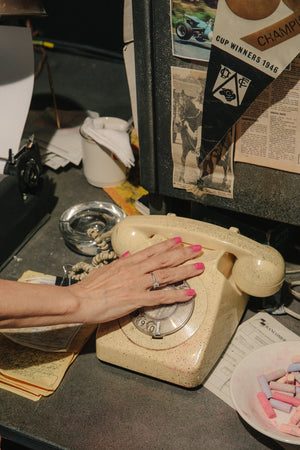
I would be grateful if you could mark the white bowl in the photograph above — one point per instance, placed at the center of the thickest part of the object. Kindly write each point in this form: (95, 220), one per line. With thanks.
(114, 123)
(244, 388)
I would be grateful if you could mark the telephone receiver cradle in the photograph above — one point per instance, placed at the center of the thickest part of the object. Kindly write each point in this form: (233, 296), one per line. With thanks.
(236, 267)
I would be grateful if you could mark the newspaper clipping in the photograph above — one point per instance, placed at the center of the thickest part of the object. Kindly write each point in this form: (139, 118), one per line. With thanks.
(215, 174)
(268, 133)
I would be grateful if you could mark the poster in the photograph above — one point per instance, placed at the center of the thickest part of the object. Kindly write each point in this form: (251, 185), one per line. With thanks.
(192, 25)
(253, 42)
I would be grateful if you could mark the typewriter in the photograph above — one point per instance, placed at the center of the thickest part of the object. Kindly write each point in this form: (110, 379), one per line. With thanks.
(26, 199)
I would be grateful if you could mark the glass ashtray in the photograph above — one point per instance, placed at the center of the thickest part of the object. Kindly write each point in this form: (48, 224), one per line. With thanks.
(75, 222)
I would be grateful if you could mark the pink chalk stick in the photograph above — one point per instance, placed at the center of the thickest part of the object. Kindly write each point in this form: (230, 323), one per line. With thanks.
(286, 398)
(266, 405)
(282, 379)
(290, 394)
(279, 373)
(290, 429)
(282, 387)
(290, 378)
(295, 418)
(297, 376)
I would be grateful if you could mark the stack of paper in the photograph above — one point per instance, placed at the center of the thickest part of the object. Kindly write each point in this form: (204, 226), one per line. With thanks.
(33, 373)
(33, 363)
(59, 146)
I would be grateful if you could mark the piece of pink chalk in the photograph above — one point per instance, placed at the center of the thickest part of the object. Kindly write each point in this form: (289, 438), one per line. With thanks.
(290, 429)
(282, 379)
(290, 379)
(297, 376)
(295, 418)
(275, 375)
(296, 359)
(282, 387)
(290, 394)
(266, 405)
(286, 398)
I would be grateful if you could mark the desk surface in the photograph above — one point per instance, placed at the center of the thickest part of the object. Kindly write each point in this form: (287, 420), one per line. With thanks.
(101, 406)
(98, 405)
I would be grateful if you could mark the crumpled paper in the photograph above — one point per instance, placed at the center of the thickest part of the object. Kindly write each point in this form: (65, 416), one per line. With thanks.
(111, 133)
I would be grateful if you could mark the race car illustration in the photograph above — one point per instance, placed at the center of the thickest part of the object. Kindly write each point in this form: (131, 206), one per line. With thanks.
(192, 26)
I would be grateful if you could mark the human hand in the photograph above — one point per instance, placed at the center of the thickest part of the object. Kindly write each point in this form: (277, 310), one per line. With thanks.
(126, 284)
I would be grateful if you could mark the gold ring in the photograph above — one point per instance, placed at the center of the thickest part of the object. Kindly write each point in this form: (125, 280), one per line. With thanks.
(155, 282)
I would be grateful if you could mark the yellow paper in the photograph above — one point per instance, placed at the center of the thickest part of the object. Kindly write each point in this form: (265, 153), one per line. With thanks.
(33, 373)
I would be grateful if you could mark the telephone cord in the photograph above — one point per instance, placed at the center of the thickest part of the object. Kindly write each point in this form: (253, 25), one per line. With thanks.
(296, 294)
(104, 256)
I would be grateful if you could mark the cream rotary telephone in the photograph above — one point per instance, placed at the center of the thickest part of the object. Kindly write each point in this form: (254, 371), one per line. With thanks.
(180, 343)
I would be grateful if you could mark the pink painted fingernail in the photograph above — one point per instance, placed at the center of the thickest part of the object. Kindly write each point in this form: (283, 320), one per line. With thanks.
(125, 254)
(196, 248)
(177, 240)
(199, 266)
(190, 292)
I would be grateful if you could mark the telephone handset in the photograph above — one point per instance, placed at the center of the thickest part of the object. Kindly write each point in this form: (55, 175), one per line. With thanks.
(180, 343)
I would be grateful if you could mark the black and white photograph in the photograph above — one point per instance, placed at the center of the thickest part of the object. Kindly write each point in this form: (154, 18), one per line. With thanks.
(215, 174)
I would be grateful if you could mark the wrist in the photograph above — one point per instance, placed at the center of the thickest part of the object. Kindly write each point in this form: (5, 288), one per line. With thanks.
(78, 312)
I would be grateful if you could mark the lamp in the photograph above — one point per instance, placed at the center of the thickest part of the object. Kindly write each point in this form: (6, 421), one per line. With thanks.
(21, 8)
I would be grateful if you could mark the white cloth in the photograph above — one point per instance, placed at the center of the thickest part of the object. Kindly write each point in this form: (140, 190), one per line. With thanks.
(111, 132)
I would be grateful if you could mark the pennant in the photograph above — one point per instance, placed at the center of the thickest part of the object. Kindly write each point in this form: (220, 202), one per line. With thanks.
(253, 42)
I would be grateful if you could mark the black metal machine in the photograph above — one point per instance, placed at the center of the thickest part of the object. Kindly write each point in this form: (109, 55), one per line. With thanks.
(26, 199)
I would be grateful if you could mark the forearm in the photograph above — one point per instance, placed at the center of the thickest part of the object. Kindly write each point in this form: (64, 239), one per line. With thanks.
(24, 304)
(105, 294)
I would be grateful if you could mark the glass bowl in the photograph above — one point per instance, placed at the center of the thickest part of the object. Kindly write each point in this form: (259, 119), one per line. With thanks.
(75, 222)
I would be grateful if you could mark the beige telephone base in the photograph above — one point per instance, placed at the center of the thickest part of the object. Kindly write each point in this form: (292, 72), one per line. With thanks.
(235, 267)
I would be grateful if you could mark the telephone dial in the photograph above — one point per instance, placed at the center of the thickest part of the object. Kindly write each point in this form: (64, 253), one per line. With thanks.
(180, 343)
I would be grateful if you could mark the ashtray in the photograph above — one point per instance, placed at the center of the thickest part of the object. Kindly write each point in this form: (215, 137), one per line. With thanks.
(75, 222)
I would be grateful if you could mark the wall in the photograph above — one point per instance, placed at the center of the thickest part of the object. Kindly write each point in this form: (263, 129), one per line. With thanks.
(95, 23)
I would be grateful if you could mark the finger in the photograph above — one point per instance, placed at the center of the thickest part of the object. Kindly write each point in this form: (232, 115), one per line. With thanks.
(153, 250)
(165, 296)
(172, 258)
(125, 254)
(172, 275)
